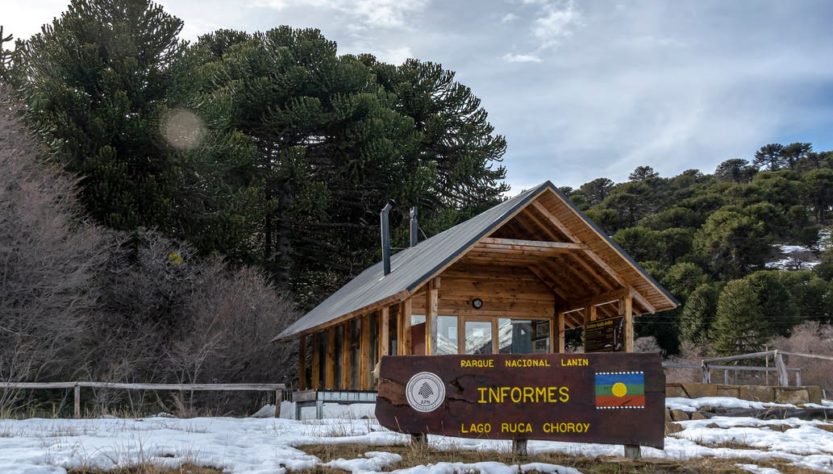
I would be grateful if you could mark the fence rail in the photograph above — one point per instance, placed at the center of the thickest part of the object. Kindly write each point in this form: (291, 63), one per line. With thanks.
(780, 368)
(277, 388)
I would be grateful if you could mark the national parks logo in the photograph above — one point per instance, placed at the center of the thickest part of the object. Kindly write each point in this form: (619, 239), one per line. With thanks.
(425, 392)
(620, 390)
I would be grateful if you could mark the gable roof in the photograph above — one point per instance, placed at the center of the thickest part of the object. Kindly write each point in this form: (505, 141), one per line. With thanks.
(413, 266)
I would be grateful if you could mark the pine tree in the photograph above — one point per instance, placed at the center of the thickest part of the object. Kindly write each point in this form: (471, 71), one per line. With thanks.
(95, 81)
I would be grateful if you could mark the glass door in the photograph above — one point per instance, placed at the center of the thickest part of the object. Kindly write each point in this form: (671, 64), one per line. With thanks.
(478, 337)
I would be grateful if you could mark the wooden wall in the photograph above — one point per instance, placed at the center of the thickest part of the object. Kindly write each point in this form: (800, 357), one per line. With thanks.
(505, 291)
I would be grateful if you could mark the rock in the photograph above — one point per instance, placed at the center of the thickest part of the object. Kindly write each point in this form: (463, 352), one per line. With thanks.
(728, 391)
(679, 415)
(757, 393)
(668, 415)
(671, 427)
(699, 390)
(675, 390)
(814, 391)
(698, 416)
(792, 395)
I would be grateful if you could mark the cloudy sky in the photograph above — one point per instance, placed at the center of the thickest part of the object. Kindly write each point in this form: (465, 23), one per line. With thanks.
(586, 88)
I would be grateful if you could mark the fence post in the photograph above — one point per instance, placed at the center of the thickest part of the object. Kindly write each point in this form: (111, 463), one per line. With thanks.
(278, 401)
(783, 377)
(76, 401)
(707, 374)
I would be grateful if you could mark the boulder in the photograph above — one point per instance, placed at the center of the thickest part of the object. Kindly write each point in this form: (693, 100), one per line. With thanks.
(698, 416)
(671, 427)
(728, 391)
(793, 395)
(699, 390)
(675, 390)
(757, 393)
(679, 415)
(814, 391)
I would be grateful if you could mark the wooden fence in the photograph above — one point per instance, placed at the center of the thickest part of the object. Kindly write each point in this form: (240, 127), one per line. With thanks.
(277, 388)
(780, 368)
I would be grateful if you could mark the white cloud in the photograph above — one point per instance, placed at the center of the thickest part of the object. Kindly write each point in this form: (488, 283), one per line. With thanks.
(395, 55)
(509, 18)
(521, 58)
(556, 23)
(369, 13)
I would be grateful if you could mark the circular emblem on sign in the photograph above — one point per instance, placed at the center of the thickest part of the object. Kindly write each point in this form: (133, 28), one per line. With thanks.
(425, 392)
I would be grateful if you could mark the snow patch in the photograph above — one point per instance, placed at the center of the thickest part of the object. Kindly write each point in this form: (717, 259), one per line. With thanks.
(694, 404)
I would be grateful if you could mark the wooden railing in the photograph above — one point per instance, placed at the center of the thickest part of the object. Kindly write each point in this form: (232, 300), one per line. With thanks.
(277, 388)
(780, 368)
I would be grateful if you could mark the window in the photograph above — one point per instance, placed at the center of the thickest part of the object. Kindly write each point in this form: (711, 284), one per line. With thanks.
(446, 335)
(478, 337)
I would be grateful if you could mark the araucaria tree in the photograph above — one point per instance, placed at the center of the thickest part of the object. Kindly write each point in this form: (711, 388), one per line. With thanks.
(94, 82)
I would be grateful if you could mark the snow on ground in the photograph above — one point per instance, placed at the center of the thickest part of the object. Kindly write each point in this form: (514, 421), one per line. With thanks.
(261, 445)
(694, 404)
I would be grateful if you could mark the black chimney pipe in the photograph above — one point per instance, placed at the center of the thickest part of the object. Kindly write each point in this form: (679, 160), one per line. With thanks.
(385, 223)
(414, 227)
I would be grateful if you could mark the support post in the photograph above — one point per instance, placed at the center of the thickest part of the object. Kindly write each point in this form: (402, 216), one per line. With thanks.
(519, 448)
(278, 400)
(783, 376)
(315, 378)
(384, 332)
(346, 348)
(562, 340)
(76, 401)
(364, 354)
(302, 362)
(431, 308)
(330, 360)
(633, 451)
(553, 347)
(407, 309)
(628, 314)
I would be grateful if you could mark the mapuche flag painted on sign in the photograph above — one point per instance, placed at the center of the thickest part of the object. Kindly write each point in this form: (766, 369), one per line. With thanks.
(620, 390)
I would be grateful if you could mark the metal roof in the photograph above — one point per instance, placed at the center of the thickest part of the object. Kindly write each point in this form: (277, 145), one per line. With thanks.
(412, 267)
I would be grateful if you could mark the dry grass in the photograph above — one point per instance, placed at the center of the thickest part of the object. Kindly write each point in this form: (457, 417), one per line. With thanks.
(150, 469)
(417, 455)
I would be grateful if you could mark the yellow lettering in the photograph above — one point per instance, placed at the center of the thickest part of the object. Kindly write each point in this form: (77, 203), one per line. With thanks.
(564, 394)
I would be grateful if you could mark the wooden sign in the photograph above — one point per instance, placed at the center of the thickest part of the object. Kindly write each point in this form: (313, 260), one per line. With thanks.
(604, 335)
(585, 398)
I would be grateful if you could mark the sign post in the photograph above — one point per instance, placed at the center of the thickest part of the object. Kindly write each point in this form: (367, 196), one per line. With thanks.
(583, 398)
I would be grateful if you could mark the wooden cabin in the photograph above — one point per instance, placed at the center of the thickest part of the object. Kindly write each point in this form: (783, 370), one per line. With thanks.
(510, 280)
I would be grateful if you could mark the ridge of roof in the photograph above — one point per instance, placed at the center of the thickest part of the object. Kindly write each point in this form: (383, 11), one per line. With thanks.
(422, 260)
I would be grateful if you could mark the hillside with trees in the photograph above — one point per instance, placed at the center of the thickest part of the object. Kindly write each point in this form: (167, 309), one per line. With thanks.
(708, 238)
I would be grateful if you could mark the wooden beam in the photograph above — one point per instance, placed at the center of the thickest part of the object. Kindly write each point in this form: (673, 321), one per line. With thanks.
(595, 300)
(541, 245)
(591, 313)
(364, 354)
(302, 363)
(315, 379)
(553, 333)
(407, 309)
(628, 307)
(384, 332)
(562, 340)
(346, 351)
(431, 310)
(330, 360)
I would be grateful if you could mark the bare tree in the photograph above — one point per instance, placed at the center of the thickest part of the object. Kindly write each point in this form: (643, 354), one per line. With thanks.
(48, 257)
